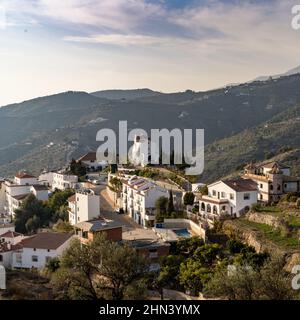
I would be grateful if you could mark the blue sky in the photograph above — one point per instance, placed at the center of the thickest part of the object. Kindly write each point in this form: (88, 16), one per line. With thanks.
(49, 46)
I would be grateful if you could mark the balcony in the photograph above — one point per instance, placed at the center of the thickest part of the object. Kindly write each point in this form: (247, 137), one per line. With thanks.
(213, 200)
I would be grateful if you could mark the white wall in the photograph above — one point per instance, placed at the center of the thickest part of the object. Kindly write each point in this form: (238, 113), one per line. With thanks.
(63, 181)
(237, 203)
(2, 196)
(26, 181)
(86, 207)
(40, 194)
(6, 259)
(42, 255)
(47, 178)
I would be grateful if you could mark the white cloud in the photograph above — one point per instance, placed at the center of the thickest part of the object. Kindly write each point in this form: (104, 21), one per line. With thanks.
(112, 14)
(198, 47)
(127, 40)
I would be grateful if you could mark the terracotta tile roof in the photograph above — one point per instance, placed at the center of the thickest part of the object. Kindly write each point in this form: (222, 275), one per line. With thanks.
(46, 240)
(72, 198)
(11, 234)
(24, 175)
(90, 156)
(240, 185)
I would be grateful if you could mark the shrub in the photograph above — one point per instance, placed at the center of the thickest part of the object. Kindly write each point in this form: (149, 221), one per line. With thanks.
(256, 207)
(293, 198)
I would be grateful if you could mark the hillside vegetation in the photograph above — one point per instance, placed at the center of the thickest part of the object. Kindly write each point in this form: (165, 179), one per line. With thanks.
(67, 123)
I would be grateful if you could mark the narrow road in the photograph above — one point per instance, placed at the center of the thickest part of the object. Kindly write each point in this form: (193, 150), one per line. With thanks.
(107, 210)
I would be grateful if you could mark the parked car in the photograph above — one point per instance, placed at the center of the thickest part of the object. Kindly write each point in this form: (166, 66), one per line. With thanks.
(95, 181)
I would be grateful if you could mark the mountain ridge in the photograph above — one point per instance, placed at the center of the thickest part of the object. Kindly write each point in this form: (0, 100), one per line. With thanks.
(70, 120)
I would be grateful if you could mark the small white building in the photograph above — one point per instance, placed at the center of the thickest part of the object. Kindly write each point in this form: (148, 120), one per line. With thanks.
(23, 178)
(8, 242)
(19, 188)
(40, 191)
(138, 198)
(46, 178)
(228, 197)
(89, 160)
(36, 251)
(84, 205)
(63, 181)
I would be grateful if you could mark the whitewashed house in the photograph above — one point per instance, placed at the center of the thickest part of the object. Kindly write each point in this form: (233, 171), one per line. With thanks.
(63, 181)
(36, 251)
(8, 242)
(40, 191)
(138, 198)
(19, 188)
(84, 205)
(60, 180)
(46, 178)
(228, 197)
(89, 160)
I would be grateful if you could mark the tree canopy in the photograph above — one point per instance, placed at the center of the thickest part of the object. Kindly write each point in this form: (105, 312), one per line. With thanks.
(98, 270)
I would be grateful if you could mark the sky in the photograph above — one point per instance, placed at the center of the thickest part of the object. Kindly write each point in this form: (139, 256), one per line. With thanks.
(51, 46)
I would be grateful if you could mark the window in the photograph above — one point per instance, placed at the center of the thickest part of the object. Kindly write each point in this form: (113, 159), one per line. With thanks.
(48, 250)
(231, 196)
(223, 195)
(278, 187)
(85, 234)
(246, 196)
(34, 259)
(34, 249)
(214, 192)
(261, 185)
(271, 187)
(18, 258)
(1, 258)
(48, 259)
(153, 253)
